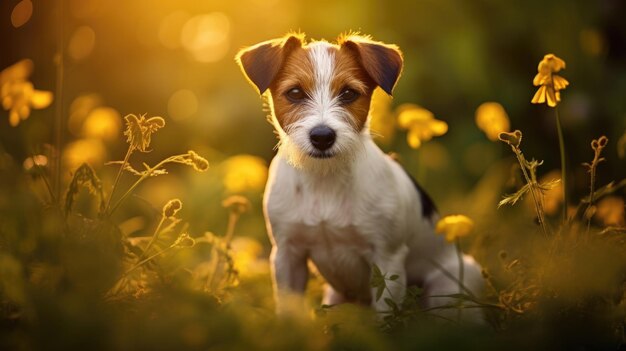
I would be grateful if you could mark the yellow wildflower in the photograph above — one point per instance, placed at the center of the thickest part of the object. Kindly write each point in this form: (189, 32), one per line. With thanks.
(237, 204)
(420, 123)
(382, 119)
(454, 226)
(610, 210)
(139, 130)
(18, 94)
(244, 173)
(492, 119)
(549, 83)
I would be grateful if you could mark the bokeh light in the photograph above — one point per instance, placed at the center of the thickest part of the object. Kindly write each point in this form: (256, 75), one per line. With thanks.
(171, 27)
(82, 43)
(182, 104)
(244, 173)
(207, 36)
(21, 13)
(102, 122)
(39, 160)
(91, 151)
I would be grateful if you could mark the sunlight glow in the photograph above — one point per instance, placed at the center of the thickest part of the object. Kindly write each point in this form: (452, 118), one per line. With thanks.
(207, 36)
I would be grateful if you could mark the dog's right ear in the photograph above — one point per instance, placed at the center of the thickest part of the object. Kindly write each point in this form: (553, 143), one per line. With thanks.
(260, 63)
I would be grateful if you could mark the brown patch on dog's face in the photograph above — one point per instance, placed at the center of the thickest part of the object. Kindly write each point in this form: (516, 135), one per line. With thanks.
(299, 72)
(349, 74)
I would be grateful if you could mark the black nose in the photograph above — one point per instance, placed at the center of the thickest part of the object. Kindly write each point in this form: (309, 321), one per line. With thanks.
(322, 137)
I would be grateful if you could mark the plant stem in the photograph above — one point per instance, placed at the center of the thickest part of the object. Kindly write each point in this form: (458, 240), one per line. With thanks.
(118, 176)
(531, 183)
(58, 122)
(145, 175)
(215, 263)
(155, 235)
(563, 163)
(459, 254)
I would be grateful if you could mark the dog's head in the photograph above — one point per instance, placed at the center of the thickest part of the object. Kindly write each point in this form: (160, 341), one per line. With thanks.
(320, 92)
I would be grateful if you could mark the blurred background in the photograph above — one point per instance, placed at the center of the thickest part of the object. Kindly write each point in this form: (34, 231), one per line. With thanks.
(175, 59)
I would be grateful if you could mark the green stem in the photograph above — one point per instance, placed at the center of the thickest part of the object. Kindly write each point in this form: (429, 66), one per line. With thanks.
(563, 163)
(155, 235)
(459, 254)
(145, 175)
(58, 123)
(531, 183)
(118, 176)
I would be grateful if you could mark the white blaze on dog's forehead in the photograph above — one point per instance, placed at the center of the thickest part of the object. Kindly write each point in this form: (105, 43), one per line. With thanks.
(323, 60)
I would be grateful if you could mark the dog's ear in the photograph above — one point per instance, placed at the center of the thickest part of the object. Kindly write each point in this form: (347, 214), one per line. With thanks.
(260, 63)
(383, 62)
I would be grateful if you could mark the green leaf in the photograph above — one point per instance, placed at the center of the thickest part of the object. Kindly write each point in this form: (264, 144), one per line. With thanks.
(394, 277)
(86, 177)
(512, 199)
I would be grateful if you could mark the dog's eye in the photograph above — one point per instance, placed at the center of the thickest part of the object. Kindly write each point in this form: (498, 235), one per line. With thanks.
(295, 94)
(348, 95)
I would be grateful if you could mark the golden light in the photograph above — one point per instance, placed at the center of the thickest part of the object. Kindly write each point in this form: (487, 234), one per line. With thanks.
(39, 160)
(492, 119)
(81, 43)
(171, 27)
(102, 122)
(244, 173)
(91, 151)
(21, 13)
(247, 253)
(80, 109)
(207, 36)
(182, 104)
(552, 198)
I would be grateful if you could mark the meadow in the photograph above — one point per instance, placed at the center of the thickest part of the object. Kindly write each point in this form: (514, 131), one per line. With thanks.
(133, 158)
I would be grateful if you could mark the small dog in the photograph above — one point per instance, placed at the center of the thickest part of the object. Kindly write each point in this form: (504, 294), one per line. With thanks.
(333, 197)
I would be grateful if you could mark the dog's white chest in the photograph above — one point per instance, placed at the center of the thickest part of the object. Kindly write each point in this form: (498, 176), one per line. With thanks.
(328, 221)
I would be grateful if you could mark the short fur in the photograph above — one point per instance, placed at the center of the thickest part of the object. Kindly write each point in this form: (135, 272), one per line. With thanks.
(351, 206)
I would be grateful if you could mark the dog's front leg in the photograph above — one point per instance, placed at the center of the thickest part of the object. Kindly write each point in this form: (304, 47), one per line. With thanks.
(391, 263)
(290, 275)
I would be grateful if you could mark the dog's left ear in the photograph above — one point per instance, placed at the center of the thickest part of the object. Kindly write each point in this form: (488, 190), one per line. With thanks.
(383, 62)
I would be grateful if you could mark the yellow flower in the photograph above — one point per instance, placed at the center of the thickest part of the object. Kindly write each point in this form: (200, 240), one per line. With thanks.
(18, 94)
(244, 173)
(247, 254)
(610, 210)
(454, 226)
(382, 119)
(237, 204)
(492, 119)
(549, 83)
(420, 123)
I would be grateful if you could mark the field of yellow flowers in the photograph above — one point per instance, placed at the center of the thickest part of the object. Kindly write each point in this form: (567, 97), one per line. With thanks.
(127, 229)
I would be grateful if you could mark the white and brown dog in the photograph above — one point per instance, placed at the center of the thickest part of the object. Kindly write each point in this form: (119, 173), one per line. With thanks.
(333, 197)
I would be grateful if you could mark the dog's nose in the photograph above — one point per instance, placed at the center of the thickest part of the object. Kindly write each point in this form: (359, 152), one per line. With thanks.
(322, 137)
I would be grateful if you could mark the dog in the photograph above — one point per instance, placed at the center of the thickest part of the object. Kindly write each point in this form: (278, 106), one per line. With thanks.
(333, 197)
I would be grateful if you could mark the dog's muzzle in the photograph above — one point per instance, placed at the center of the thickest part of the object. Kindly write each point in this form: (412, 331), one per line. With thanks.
(322, 137)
